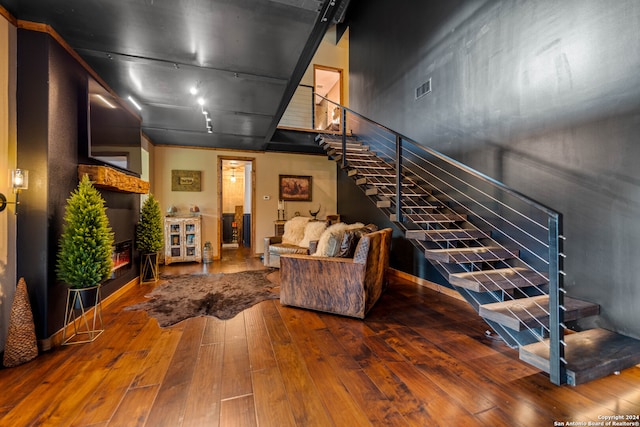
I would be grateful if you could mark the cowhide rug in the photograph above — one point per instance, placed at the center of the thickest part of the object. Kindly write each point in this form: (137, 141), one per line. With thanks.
(180, 297)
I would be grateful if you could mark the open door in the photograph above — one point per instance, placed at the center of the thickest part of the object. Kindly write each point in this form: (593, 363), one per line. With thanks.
(327, 82)
(236, 202)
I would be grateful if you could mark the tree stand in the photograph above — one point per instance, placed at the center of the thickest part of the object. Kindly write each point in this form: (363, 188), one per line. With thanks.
(149, 268)
(83, 326)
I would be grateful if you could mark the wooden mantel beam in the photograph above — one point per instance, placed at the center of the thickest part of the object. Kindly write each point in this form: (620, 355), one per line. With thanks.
(111, 179)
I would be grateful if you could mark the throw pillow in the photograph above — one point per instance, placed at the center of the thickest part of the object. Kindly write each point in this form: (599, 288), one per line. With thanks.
(331, 239)
(351, 237)
(312, 231)
(323, 242)
(349, 242)
(294, 230)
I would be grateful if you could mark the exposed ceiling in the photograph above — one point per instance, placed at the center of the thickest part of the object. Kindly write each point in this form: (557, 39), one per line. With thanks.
(245, 57)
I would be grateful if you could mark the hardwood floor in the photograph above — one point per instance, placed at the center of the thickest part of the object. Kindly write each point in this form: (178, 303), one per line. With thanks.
(420, 358)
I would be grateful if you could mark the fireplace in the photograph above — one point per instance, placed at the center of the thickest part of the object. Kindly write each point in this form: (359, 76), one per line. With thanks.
(122, 258)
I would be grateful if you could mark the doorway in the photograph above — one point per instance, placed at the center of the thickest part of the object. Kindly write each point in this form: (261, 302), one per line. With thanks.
(236, 198)
(327, 82)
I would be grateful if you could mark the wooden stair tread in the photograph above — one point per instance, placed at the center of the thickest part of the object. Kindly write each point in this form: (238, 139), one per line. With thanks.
(590, 354)
(427, 218)
(532, 312)
(498, 279)
(371, 168)
(360, 156)
(382, 184)
(337, 143)
(351, 150)
(406, 206)
(467, 255)
(445, 234)
(383, 191)
(376, 173)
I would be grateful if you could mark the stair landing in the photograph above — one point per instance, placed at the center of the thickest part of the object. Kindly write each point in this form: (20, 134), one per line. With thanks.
(590, 354)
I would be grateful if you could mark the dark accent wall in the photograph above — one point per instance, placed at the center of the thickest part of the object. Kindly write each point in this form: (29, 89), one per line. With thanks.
(544, 96)
(52, 140)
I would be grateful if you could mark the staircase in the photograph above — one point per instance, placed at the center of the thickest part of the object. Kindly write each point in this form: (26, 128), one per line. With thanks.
(500, 251)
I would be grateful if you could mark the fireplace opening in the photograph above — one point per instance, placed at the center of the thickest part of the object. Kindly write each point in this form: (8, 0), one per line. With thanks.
(122, 258)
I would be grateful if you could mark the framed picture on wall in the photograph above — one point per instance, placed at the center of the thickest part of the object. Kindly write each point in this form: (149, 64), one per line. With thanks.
(295, 188)
(184, 180)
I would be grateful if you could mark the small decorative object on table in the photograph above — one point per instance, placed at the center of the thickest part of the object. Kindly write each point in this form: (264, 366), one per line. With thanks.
(195, 210)
(315, 214)
(281, 214)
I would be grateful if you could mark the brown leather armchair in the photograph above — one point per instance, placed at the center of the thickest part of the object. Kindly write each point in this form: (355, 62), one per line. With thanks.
(345, 286)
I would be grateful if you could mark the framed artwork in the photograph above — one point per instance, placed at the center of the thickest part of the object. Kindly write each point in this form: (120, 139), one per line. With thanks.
(295, 188)
(182, 180)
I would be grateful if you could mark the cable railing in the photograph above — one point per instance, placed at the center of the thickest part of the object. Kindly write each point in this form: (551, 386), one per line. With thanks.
(429, 188)
(300, 114)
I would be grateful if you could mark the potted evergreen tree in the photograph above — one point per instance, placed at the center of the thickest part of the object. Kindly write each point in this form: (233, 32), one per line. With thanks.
(149, 239)
(85, 250)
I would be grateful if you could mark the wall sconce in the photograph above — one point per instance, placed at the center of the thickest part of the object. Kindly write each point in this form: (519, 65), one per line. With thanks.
(233, 175)
(19, 181)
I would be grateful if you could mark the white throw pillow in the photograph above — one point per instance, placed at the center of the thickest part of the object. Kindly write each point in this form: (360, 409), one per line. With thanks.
(330, 241)
(294, 230)
(312, 231)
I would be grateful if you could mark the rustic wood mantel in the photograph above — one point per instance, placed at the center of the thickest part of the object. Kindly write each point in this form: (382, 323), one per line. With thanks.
(111, 179)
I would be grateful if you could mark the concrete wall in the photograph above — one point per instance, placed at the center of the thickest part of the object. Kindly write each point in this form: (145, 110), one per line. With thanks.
(542, 95)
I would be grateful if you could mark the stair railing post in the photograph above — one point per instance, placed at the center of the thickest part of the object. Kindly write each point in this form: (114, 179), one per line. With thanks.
(344, 137)
(313, 108)
(398, 179)
(557, 368)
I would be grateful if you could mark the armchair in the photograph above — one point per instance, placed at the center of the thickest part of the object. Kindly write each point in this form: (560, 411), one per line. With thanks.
(345, 286)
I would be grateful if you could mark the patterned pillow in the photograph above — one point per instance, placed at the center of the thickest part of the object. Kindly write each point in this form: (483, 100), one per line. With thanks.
(348, 245)
(351, 237)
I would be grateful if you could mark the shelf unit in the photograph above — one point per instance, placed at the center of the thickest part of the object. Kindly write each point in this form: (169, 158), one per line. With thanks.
(182, 239)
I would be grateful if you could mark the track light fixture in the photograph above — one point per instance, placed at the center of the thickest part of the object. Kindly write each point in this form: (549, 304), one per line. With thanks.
(194, 90)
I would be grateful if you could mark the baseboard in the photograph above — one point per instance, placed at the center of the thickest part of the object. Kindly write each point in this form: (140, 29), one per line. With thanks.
(426, 283)
(55, 340)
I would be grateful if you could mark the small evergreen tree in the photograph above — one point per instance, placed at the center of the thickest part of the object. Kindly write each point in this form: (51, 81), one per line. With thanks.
(149, 233)
(84, 257)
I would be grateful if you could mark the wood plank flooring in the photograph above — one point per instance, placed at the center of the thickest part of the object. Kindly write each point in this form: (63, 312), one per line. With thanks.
(419, 359)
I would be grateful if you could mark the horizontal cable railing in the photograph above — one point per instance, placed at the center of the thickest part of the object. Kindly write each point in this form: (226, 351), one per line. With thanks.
(509, 223)
(300, 114)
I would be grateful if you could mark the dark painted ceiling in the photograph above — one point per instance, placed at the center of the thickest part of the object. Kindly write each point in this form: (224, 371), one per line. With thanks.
(245, 57)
